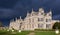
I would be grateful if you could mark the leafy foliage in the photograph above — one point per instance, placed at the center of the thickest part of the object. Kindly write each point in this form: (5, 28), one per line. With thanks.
(56, 25)
(1, 24)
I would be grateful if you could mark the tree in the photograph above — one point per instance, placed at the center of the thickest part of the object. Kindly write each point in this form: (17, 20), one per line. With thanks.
(1, 24)
(56, 25)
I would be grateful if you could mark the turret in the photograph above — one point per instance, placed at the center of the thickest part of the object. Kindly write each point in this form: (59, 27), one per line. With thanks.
(20, 18)
(41, 10)
(28, 14)
(50, 13)
(32, 13)
(16, 19)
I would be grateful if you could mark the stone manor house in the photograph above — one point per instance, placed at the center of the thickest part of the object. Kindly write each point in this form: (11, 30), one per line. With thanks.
(34, 20)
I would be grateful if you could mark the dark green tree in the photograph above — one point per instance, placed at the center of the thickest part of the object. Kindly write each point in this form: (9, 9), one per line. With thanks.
(56, 25)
(1, 24)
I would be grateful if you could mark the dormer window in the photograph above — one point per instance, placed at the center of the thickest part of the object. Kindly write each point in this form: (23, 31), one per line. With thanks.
(49, 14)
(42, 13)
(40, 19)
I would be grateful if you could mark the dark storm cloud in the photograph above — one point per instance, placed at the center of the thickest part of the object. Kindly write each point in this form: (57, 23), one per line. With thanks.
(19, 7)
(4, 13)
(15, 8)
(23, 5)
(7, 3)
(56, 17)
(46, 4)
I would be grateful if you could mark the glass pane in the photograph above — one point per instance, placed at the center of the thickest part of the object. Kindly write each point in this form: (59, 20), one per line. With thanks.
(40, 25)
(48, 26)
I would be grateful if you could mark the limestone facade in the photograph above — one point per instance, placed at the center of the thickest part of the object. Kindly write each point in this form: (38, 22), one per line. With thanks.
(34, 20)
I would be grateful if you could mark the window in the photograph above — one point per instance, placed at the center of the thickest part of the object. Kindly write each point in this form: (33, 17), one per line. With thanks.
(40, 19)
(20, 25)
(32, 25)
(40, 25)
(32, 20)
(48, 20)
(29, 20)
(42, 13)
(49, 14)
(48, 26)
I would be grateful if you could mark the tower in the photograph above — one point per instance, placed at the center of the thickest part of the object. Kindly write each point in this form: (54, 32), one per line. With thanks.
(41, 10)
(28, 14)
(32, 13)
(50, 13)
(16, 19)
(20, 17)
(20, 24)
(49, 16)
(11, 24)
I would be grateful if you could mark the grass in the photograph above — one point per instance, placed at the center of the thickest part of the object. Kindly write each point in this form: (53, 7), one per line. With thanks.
(27, 32)
(23, 33)
(45, 33)
(14, 33)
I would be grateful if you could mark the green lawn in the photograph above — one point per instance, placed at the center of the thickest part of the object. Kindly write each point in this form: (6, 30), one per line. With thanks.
(14, 33)
(27, 32)
(45, 33)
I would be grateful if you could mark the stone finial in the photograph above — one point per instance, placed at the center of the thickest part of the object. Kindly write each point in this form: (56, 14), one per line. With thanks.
(28, 13)
(20, 17)
(40, 9)
(16, 18)
(50, 12)
(32, 10)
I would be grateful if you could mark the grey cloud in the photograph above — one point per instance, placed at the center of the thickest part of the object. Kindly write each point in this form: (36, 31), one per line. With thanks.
(5, 13)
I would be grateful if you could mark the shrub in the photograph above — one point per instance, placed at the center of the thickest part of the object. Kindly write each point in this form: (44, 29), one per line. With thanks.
(56, 25)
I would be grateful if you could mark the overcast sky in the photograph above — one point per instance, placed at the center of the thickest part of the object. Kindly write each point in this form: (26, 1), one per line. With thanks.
(14, 8)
